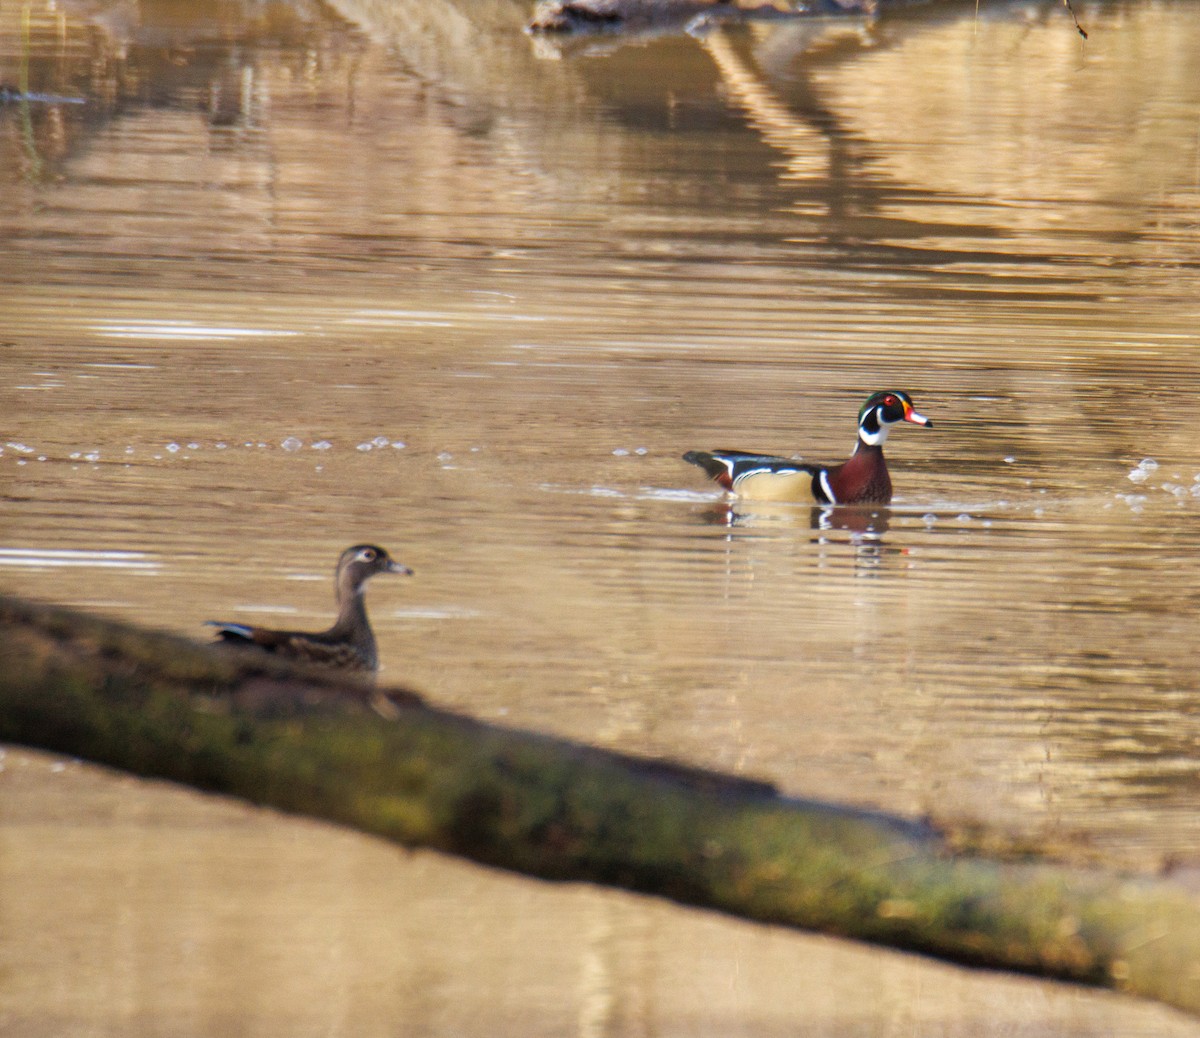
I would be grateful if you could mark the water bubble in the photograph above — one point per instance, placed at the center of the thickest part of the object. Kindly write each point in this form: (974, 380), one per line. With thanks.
(641, 450)
(173, 448)
(75, 455)
(964, 517)
(92, 456)
(1009, 459)
(128, 450)
(445, 456)
(620, 452)
(1143, 470)
(365, 447)
(381, 441)
(400, 445)
(322, 445)
(929, 518)
(193, 446)
(20, 448)
(292, 443)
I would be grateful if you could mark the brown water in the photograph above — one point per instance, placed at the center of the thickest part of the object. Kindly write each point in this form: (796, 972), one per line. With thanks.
(290, 279)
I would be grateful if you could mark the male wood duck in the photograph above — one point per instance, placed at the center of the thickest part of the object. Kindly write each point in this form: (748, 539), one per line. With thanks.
(349, 644)
(861, 480)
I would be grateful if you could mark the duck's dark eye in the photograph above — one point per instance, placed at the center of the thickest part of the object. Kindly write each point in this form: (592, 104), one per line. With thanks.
(367, 555)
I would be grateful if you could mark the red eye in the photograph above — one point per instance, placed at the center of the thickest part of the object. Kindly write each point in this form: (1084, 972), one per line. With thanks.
(889, 401)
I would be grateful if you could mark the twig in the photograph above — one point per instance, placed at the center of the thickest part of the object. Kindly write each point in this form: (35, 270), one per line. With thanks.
(1078, 28)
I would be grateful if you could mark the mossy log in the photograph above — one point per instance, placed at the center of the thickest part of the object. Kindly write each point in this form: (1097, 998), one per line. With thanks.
(387, 763)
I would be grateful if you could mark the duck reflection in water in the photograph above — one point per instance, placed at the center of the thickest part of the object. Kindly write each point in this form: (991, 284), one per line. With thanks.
(868, 522)
(865, 526)
(350, 643)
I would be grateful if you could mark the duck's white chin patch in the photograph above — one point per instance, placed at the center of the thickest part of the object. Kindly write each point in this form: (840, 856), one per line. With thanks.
(874, 439)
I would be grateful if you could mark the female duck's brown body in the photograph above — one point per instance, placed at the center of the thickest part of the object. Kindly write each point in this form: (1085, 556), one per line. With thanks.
(350, 643)
(862, 479)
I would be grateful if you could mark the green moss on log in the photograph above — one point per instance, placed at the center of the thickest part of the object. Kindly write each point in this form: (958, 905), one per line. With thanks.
(387, 763)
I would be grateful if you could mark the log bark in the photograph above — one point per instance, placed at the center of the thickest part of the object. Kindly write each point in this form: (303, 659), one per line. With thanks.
(387, 763)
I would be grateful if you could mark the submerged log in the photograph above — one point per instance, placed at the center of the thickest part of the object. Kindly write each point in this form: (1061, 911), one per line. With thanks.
(589, 16)
(387, 763)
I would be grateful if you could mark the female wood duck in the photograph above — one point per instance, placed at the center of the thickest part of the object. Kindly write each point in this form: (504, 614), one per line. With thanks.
(861, 480)
(349, 644)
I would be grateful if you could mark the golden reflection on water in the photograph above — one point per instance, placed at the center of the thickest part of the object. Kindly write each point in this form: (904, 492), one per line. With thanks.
(287, 282)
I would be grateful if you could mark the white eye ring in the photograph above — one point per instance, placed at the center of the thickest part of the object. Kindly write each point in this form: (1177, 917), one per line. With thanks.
(366, 555)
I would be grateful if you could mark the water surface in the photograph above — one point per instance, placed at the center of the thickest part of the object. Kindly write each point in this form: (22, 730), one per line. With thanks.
(291, 279)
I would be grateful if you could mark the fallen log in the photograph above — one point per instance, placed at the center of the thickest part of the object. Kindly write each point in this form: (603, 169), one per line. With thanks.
(385, 762)
(589, 16)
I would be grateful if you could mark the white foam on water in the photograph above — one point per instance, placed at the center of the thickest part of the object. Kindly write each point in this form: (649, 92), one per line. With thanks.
(673, 494)
(185, 330)
(59, 558)
(434, 613)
